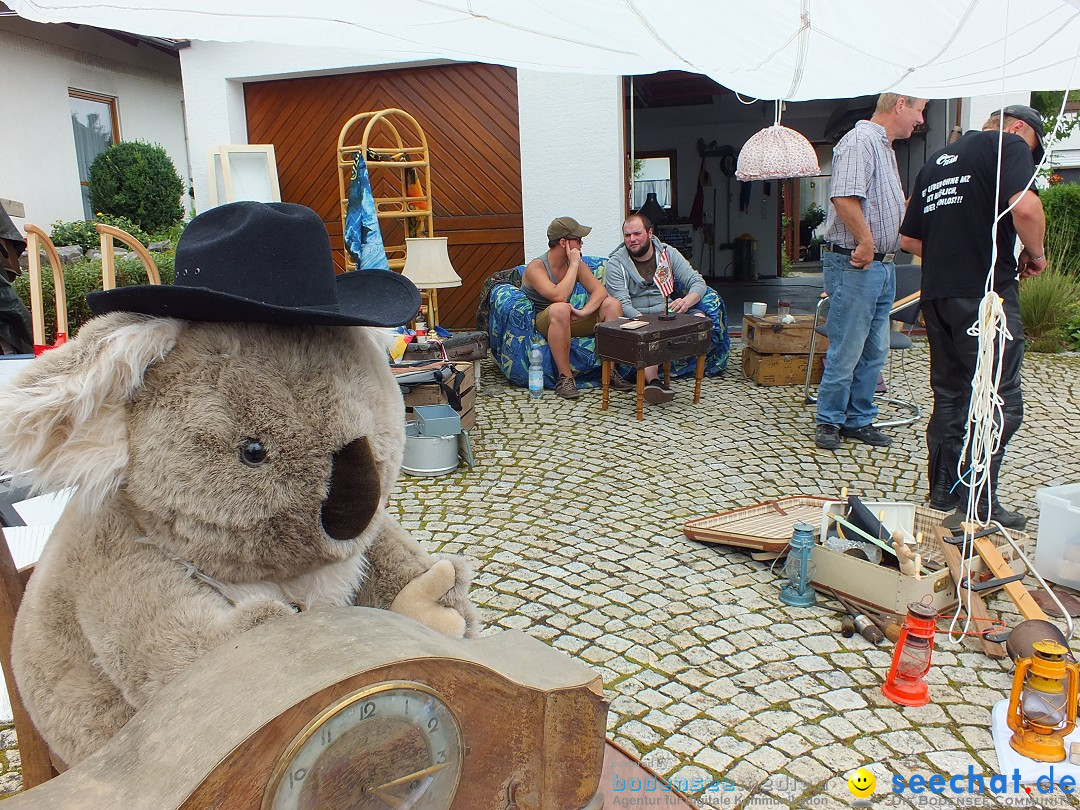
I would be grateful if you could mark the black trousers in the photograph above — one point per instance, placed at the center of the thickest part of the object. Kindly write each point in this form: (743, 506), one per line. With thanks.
(952, 365)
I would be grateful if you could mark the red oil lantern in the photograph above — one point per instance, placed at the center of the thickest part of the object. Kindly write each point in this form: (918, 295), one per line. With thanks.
(911, 657)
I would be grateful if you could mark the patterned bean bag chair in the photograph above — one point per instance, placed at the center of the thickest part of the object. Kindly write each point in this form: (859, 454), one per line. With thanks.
(511, 332)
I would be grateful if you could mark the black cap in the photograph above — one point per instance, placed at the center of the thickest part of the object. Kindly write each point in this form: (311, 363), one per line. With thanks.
(1031, 117)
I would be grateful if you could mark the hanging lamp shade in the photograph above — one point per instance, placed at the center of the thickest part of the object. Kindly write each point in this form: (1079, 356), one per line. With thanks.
(777, 152)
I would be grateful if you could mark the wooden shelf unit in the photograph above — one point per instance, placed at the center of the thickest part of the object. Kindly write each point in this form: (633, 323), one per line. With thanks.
(391, 141)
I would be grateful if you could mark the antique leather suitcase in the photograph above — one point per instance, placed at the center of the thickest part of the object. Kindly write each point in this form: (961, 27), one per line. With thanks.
(657, 342)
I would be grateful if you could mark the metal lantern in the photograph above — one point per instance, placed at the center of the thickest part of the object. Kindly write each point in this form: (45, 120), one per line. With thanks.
(798, 592)
(911, 657)
(1042, 704)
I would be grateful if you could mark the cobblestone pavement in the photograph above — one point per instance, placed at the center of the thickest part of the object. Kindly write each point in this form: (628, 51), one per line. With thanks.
(573, 518)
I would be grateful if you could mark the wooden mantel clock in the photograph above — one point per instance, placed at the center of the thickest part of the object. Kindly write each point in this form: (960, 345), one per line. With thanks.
(355, 708)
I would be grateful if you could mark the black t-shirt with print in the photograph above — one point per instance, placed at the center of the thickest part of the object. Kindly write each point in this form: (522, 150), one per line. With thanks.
(952, 210)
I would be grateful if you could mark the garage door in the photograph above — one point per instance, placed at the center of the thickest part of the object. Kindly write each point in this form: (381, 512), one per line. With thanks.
(470, 117)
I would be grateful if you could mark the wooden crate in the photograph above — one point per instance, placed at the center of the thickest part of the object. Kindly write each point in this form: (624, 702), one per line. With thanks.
(433, 395)
(780, 369)
(769, 335)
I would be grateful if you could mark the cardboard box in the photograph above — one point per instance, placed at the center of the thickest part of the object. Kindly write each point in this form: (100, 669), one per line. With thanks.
(768, 335)
(780, 369)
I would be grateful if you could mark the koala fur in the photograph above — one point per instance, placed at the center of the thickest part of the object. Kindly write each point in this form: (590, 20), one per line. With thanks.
(227, 475)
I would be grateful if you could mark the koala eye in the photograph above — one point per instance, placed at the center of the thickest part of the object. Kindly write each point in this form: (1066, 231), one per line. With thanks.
(252, 452)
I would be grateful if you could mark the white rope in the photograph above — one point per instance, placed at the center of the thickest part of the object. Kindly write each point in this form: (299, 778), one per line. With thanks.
(986, 410)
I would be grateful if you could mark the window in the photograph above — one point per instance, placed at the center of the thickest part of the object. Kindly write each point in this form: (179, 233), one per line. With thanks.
(654, 172)
(94, 121)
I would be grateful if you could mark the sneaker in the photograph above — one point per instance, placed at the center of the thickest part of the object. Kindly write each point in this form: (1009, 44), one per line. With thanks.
(867, 434)
(566, 388)
(827, 436)
(619, 384)
(656, 393)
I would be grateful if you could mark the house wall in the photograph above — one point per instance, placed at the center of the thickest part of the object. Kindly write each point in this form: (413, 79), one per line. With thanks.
(572, 156)
(565, 170)
(38, 64)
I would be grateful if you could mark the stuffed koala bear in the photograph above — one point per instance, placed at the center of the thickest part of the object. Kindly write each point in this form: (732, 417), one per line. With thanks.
(233, 439)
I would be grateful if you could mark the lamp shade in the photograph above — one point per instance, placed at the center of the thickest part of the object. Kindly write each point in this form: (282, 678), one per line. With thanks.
(774, 153)
(427, 263)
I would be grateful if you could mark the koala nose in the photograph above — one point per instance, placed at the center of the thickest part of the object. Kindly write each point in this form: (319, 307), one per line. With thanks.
(354, 493)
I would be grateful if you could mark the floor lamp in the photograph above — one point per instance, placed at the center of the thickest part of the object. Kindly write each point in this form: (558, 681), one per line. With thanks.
(427, 265)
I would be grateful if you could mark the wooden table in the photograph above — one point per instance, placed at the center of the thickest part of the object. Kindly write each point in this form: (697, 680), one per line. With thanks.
(658, 343)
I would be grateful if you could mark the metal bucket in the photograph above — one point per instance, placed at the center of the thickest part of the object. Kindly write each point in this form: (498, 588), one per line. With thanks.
(428, 456)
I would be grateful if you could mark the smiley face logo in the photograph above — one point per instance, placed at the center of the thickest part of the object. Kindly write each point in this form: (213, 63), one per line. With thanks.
(861, 784)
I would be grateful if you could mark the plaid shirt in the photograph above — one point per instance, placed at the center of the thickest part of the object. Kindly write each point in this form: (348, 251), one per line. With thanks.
(864, 166)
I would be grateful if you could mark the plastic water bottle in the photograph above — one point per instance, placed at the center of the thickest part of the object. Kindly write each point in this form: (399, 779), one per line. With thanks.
(536, 373)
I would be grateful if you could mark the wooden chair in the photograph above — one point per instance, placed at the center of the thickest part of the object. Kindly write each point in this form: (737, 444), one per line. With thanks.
(38, 763)
(35, 240)
(108, 256)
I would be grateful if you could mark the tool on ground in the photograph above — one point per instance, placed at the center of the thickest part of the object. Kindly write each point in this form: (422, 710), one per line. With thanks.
(1004, 578)
(866, 627)
(847, 627)
(973, 603)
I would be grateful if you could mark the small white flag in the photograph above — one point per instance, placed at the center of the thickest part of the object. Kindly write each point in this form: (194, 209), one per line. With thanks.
(663, 278)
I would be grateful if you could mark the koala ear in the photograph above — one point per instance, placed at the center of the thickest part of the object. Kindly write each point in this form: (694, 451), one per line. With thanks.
(62, 420)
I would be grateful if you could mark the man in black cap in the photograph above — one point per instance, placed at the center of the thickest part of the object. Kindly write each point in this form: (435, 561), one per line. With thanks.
(949, 223)
(549, 282)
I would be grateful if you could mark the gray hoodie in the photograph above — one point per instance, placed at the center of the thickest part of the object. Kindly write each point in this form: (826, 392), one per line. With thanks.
(638, 296)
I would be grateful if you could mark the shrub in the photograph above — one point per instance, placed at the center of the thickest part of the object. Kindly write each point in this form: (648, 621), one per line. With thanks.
(84, 233)
(137, 180)
(81, 278)
(1047, 303)
(1072, 334)
(1062, 206)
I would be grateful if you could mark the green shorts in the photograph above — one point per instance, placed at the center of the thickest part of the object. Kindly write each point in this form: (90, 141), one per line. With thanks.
(581, 328)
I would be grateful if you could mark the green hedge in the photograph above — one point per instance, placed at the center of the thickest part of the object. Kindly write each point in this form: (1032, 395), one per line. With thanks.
(84, 277)
(83, 232)
(1062, 206)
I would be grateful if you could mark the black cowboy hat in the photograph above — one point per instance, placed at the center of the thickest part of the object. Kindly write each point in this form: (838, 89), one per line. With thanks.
(265, 263)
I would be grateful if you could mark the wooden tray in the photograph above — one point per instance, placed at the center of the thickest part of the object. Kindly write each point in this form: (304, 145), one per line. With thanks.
(764, 527)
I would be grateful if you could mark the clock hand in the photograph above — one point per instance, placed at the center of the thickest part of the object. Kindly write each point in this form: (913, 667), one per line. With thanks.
(410, 776)
(405, 803)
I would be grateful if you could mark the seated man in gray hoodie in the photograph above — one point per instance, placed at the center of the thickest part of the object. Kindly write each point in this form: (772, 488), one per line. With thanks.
(629, 279)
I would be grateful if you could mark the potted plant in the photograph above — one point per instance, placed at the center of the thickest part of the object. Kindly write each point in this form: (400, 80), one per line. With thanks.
(811, 218)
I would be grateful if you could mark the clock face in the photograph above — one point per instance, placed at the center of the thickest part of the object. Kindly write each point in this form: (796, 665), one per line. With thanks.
(394, 744)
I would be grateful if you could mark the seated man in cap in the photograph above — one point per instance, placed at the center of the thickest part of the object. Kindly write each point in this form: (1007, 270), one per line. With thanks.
(549, 281)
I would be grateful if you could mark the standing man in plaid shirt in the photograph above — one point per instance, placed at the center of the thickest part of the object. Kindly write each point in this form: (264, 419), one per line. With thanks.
(861, 235)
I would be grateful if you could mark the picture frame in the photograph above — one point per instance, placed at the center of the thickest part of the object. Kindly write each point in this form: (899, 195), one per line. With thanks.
(243, 172)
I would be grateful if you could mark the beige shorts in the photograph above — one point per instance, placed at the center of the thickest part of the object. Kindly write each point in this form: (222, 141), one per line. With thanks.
(581, 328)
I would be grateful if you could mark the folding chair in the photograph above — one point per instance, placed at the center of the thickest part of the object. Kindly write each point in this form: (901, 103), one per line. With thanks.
(904, 312)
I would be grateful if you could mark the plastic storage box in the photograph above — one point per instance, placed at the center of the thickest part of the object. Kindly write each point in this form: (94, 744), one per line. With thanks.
(1057, 552)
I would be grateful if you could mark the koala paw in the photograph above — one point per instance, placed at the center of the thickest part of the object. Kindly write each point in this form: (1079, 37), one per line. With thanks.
(421, 600)
(258, 611)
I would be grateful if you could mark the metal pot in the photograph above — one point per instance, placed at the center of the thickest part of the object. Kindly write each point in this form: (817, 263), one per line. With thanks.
(428, 456)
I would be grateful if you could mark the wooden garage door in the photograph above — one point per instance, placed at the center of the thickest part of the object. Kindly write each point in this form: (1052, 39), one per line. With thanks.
(470, 117)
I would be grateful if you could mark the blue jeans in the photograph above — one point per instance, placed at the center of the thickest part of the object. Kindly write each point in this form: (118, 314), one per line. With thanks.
(858, 331)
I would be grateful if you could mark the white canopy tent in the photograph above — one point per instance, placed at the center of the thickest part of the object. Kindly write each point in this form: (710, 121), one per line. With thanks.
(772, 49)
